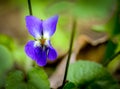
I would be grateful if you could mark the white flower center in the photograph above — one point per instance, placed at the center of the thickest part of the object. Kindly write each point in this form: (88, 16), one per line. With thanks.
(41, 42)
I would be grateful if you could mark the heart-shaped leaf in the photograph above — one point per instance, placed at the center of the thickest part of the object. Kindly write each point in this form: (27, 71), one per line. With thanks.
(85, 73)
(6, 63)
(36, 78)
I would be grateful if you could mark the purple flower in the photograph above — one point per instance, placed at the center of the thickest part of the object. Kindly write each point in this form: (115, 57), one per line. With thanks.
(41, 49)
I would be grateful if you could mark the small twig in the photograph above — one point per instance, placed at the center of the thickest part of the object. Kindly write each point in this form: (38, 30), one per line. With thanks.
(113, 57)
(69, 53)
(30, 7)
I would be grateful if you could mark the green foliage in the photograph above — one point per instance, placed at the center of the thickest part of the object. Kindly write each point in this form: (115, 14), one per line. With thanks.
(6, 63)
(60, 40)
(21, 58)
(82, 74)
(118, 46)
(69, 85)
(84, 8)
(104, 84)
(113, 64)
(110, 50)
(107, 27)
(5, 40)
(2, 80)
(38, 78)
(111, 47)
(15, 80)
(5, 59)
(88, 75)
(34, 79)
(111, 26)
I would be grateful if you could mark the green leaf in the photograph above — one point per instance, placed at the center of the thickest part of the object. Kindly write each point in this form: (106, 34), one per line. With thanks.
(69, 85)
(5, 59)
(110, 50)
(2, 81)
(6, 63)
(103, 85)
(83, 73)
(35, 78)
(38, 78)
(15, 80)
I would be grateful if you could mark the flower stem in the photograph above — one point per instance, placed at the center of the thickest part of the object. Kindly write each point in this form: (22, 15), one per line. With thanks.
(30, 7)
(113, 57)
(69, 52)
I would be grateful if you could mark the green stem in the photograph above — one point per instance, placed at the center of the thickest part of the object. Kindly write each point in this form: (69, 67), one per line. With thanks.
(115, 32)
(113, 57)
(69, 53)
(30, 7)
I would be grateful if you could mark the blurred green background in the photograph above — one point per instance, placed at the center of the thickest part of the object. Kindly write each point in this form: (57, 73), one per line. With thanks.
(96, 15)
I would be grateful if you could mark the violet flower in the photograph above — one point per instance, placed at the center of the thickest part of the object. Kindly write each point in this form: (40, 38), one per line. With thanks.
(41, 49)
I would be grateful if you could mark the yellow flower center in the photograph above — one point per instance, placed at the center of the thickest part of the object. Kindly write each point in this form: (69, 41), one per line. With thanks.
(42, 41)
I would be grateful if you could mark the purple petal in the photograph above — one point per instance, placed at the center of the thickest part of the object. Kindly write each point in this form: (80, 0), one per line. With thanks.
(49, 26)
(34, 26)
(29, 49)
(52, 54)
(36, 53)
(42, 60)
